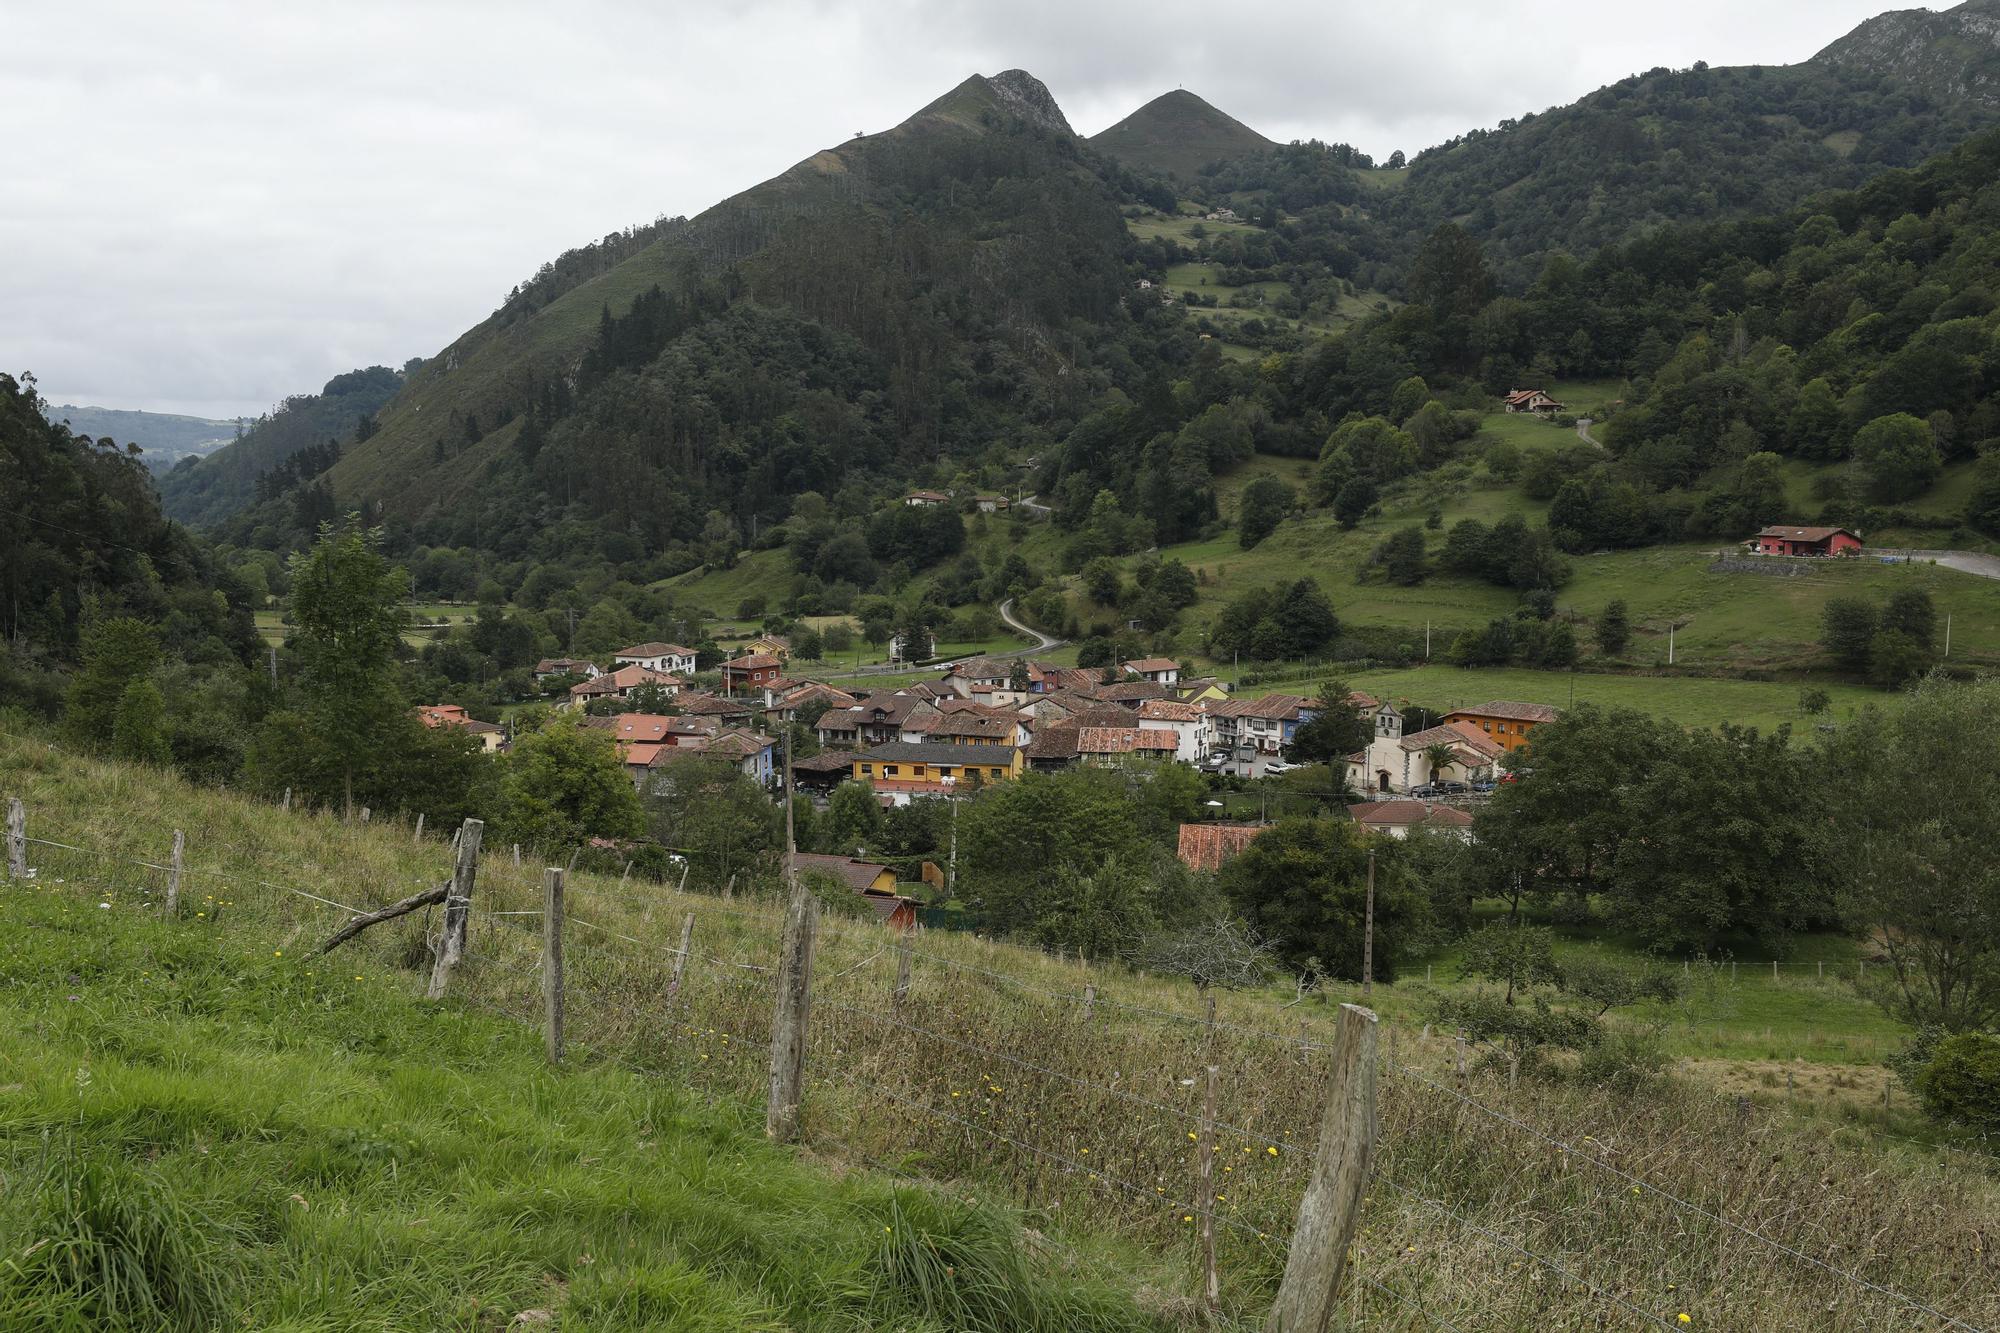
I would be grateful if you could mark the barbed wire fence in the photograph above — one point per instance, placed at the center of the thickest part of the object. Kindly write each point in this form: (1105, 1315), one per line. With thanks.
(1035, 1095)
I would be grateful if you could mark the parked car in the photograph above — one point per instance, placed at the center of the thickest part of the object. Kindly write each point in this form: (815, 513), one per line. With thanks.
(1425, 791)
(1452, 787)
(1279, 766)
(1510, 777)
(1481, 788)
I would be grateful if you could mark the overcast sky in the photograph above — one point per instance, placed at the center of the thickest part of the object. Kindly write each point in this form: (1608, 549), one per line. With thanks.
(205, 207)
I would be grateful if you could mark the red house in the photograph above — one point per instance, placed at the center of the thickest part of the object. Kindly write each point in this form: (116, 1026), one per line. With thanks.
(752, 670)
(1781, 540)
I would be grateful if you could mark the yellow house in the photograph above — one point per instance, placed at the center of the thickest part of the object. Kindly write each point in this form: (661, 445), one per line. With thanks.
(1201, 691)
(901, 770)
(1505, 721)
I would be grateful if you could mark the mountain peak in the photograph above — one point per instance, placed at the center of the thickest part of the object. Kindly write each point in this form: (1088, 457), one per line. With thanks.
(1177, 133)
(1013, 92)
(1953, 55)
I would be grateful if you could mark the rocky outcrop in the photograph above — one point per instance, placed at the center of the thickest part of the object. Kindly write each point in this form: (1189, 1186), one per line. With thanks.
(1952, 56)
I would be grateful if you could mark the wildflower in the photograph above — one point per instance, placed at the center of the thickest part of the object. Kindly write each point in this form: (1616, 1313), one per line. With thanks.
(1684, 1317)
(104, 906)
(1272, 1151)
(1192, 1134)
(1187, 1217)
(277, 953)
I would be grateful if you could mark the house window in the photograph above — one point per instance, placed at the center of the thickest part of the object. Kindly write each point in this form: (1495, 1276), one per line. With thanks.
(868, 770)
(944, 770)
(889, 770)
(917, 771)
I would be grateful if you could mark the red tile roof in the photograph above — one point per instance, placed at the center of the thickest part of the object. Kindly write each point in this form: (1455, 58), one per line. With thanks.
(1207, 846)
(1408, 814)
(752, 662)
(1145, 664)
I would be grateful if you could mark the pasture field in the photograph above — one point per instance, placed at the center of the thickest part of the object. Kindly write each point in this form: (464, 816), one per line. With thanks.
(420, 1155)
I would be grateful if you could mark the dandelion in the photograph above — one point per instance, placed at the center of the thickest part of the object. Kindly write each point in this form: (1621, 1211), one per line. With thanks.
(1187, 1217)
(1192, 1135)
(1684, 1317)
(277, 953)
(1272, 1151)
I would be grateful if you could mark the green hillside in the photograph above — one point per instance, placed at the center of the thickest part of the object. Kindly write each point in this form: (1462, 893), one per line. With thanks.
(165, 437)
(1176, 134)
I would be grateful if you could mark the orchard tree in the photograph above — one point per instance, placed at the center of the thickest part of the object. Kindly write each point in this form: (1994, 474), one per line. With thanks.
(1899, 455)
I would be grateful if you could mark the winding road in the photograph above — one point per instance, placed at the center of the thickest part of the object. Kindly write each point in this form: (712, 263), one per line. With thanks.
(1042, 641)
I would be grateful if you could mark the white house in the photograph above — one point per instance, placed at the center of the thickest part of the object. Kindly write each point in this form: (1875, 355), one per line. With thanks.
(1159, 670)
(929, 647)
(668, 657)
(1190, 724)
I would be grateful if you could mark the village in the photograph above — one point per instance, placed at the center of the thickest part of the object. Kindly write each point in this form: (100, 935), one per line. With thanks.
(988, 720)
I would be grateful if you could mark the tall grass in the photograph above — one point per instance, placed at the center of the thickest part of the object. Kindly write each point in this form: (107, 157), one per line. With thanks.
(992, 1078)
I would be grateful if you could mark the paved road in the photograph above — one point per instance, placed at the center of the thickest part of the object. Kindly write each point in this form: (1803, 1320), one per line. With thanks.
(1965, 562)
(1583, 425)
(1042, 641)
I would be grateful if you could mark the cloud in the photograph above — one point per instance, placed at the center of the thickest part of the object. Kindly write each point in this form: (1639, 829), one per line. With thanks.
(211, 206)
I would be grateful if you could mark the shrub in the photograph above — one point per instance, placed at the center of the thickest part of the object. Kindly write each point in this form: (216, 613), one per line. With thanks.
(1961, 1082)
(1624, 1060)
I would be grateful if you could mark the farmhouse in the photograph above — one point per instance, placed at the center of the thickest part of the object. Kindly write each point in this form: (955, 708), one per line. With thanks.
(1531, 400)
(875, 883)
(619, 684)
(1159, 670)
(1782, 540)
(925, 499)
(550, 667)
(491, 738)
(1504, 720)
(667, 657)
(749, 671)
(901, 770)
(1396, 818)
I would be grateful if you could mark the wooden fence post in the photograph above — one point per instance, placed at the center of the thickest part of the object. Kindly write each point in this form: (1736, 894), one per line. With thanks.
(364, 814)
(517, 855)
(17, 838)
(790, 1014)
(552, 959)
(286, 804)
(457, 906)
(418, 836)
(681, 959)
(903, 974)
(1205, 1178)
(1774, 969)
(1089, 1002)
(1513, 1069)
(1458, 1057)
(174, 874)
(624, 874)
(1330, 1212)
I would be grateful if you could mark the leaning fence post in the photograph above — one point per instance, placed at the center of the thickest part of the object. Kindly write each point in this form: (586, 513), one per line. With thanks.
(790, 1015)
(903, 974)
(457, 906)
(681, 959)
(552, 959)
(286, 804)
(1089, 1002)
(1330, 1212)
(1205, 1176)
(174, 874)
(418, 836)
(1458, 1056)
(17, 838)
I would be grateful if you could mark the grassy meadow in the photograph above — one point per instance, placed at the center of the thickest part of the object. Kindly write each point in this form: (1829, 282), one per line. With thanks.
(343, 1143)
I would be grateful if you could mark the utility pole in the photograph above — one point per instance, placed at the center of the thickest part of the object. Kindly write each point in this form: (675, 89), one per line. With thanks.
(1427, 639)
(1670, 642)
(1368, 935)
(951, 865)
(1947, 634)
(274, 656)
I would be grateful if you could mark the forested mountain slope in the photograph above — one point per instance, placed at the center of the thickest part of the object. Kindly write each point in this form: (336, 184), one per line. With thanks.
(932, 290)
(209, 489)
(1176, 134)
